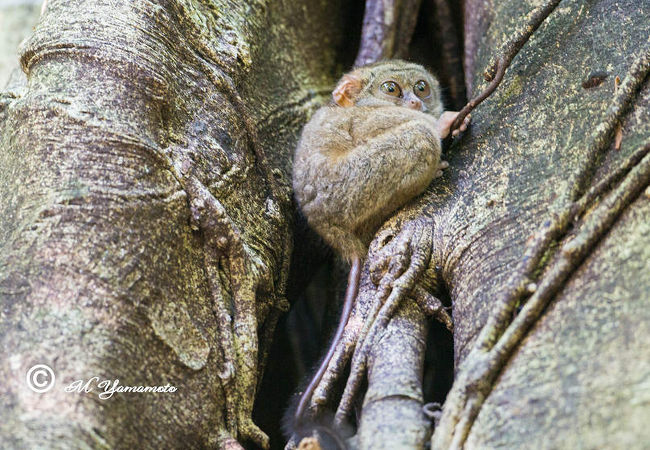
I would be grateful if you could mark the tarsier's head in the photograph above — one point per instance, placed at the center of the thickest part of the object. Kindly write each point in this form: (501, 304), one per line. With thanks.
(390, 83)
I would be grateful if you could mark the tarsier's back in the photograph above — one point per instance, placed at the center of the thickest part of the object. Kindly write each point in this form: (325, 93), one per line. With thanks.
(371, 151)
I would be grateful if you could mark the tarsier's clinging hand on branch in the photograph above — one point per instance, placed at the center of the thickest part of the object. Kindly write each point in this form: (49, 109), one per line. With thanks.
(360, 158)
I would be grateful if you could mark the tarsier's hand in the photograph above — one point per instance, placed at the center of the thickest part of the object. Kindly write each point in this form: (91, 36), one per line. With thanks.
(447, 119)
(442, 165)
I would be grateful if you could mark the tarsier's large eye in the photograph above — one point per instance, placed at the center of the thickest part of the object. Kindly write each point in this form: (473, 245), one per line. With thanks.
(391, 88)
(422, 89)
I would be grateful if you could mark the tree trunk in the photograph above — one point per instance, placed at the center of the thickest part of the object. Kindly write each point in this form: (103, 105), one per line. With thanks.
(146, 226)
(146, 213)
(577, 377)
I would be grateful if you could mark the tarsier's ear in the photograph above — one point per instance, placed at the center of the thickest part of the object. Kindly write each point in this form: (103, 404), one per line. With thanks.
(346, 91)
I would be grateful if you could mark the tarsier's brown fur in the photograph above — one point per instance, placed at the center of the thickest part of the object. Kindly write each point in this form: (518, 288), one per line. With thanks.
(374, 148)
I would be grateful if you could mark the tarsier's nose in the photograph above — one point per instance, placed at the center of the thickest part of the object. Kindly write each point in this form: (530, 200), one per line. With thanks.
(414, 103)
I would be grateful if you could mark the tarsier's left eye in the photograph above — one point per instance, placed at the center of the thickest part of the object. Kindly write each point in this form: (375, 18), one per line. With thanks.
(391, 88)
(422, 89)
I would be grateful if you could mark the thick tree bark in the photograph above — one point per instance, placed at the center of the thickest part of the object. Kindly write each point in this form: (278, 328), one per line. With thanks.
(541, 192)
(574, 379)
(146, 227)
(146, 212)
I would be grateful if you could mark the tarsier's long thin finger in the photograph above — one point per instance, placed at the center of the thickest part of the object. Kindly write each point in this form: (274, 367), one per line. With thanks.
(355, 330)
(402, 286)
(378, 267)
(463, 126)
(386, 258)
(360, 358)
(341, 357)
(365, 307)
(466, 122)
(400, 251)
(401, 254)
(349, 393)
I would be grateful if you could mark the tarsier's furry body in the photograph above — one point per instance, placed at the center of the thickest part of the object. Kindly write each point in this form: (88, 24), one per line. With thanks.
(356, 164)
(359, 159)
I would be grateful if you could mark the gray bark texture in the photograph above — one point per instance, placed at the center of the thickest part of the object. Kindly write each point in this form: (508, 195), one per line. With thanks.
(146, 212)
(146, 226)
(579, 377)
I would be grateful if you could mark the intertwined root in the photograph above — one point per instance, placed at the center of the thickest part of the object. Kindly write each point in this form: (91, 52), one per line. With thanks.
(396, 262)
(590, 218)
(234, 308)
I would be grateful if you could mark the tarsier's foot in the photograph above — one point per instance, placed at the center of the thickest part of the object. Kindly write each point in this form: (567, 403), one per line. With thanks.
(463, 126)
(447, 119)
(399, 256)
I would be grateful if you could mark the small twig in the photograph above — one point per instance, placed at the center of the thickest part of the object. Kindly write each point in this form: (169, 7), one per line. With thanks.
(473, 103)
(498, 68)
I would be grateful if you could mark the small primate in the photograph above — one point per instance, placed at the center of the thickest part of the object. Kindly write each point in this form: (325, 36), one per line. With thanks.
(374, 148)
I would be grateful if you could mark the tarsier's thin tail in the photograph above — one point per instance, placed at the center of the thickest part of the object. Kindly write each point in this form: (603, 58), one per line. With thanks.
(350, 295)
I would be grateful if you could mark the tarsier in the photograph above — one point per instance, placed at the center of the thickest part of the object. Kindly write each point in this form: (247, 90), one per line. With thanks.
(374, 148)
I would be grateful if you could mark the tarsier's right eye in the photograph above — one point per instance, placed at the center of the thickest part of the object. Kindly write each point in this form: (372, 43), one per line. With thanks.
(422, 89)
(391, 88)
